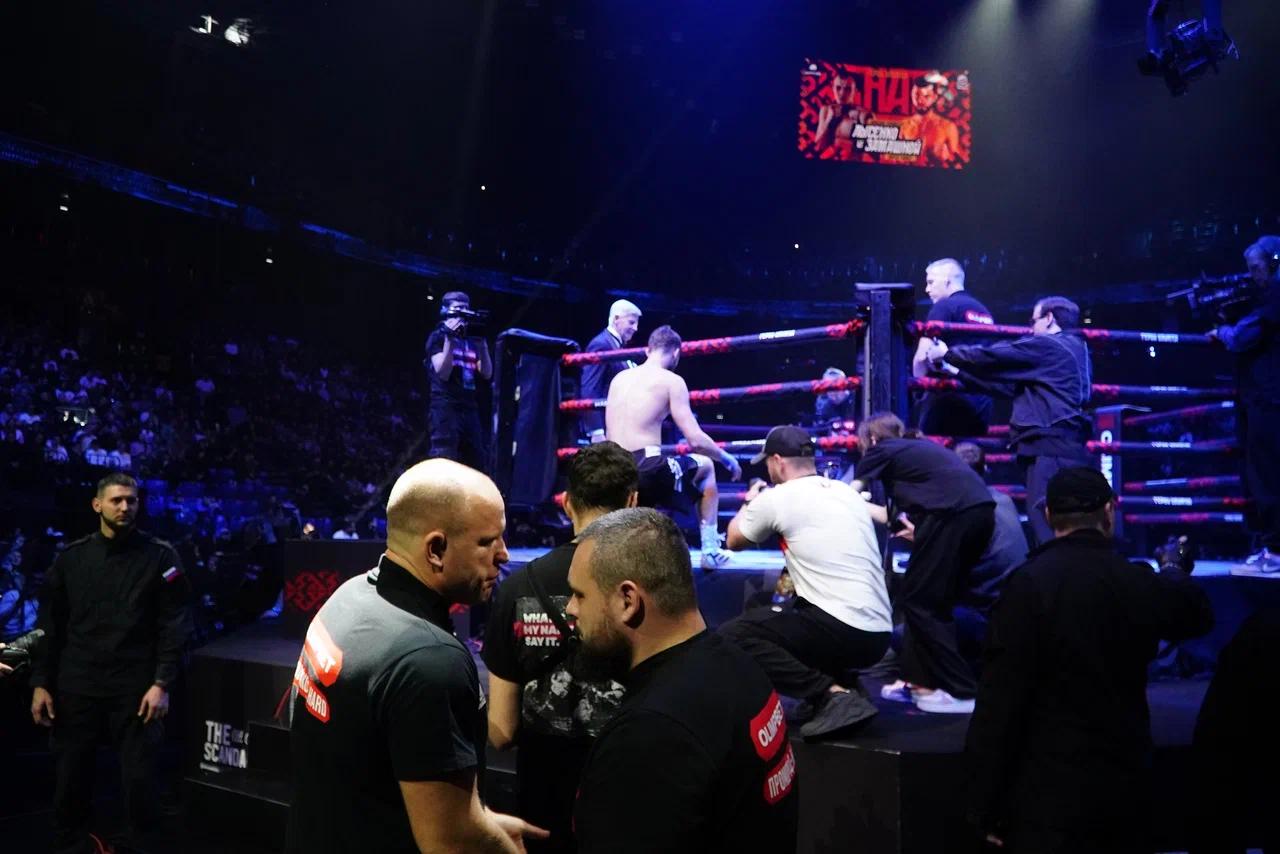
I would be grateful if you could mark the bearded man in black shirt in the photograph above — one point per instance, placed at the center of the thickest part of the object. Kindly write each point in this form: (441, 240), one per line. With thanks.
(697, 759)
(114, 614)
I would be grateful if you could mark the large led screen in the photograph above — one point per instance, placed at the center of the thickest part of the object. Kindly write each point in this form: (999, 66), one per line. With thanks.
(899, 116)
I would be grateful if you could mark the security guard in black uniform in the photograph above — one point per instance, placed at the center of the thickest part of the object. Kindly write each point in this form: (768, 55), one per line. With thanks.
(114, 613)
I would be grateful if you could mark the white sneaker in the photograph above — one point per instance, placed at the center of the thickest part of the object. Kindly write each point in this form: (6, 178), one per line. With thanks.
(1263, 560)
(715, 558)
(897, 692)
(940, 702)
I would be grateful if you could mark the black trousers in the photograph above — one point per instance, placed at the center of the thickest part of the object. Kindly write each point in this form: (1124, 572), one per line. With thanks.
(1038, 471)
(1260, 442)
(804, 651)
(457, 434)
(946, 549)
(79, 725)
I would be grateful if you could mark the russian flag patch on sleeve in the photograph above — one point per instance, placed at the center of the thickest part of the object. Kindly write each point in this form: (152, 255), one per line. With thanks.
(172, 573)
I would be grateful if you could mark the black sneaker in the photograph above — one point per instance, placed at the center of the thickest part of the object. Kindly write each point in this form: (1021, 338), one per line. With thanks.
(842, 711)
(801, 713)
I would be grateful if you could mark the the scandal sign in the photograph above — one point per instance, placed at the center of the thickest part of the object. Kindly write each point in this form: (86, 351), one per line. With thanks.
(902, 116)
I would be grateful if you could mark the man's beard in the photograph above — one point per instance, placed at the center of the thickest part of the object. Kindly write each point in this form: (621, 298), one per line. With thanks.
(606, 656)
(118, 527)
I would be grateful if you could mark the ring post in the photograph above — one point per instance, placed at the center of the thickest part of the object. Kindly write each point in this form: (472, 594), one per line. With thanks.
(885, 358)
(1108, 427)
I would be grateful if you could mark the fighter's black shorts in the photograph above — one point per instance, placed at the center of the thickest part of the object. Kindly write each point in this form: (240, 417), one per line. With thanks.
(667, 481)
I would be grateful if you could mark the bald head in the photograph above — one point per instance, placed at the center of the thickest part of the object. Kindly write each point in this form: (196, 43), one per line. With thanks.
(436, 495)
(942, 278)
(445, 524)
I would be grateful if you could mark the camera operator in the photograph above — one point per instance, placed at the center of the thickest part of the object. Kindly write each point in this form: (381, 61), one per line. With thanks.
(115, 622)
(1255, 338)
(454, 361)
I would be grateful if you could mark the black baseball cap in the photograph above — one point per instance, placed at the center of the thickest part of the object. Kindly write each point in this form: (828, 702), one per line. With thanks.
(786, 441)
(1077, 490)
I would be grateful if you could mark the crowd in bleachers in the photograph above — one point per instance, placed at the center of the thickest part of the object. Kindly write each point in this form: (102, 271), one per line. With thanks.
(236, 442)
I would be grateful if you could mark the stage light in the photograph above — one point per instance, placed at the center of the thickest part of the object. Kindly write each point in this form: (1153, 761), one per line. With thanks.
(207, 23)
(482, 188)
(270, 260)
(795, 245)
(238, 32)
(64, 208)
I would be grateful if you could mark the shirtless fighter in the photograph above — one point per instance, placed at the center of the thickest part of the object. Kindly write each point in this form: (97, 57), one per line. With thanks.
(639, 401)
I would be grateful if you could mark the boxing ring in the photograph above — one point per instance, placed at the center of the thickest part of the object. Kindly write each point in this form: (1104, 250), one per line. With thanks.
(1121, 426)
(1165, 449)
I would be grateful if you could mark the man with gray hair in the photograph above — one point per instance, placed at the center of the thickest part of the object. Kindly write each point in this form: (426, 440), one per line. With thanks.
(1255, 339)
(697, 758)
(624, 320)
(950, 413)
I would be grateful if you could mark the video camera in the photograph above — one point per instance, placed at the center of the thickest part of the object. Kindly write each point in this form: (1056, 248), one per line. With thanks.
(1191, 51)
(1228, 297)
(18, 653)
(474, 318)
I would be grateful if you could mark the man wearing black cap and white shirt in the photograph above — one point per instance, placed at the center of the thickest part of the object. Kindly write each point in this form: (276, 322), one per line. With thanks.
(841, 619)
(1060, 741)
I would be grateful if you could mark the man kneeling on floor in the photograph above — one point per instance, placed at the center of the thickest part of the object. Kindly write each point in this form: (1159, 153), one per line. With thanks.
(841, 619)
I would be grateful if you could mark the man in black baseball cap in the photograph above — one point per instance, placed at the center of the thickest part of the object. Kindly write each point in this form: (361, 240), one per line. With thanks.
(1060, 739)
(786, 441)
(457, 365)
(841, 619)
(1076, 491)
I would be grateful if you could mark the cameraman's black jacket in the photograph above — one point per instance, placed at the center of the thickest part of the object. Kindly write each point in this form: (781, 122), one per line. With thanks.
(1061, 734)
(115, 617)
(1049, 378)
(1256, 337)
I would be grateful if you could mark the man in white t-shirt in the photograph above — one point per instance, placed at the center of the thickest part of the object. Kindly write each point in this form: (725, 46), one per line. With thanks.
(841, 620)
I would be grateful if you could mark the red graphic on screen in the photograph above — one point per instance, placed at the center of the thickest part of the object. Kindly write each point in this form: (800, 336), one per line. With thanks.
(900, 116)
(307, 590)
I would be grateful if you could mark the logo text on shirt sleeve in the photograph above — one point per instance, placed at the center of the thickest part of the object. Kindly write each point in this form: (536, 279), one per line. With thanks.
(769, 728)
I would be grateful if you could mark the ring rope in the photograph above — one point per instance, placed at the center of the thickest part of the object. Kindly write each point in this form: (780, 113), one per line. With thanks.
(733, 344)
